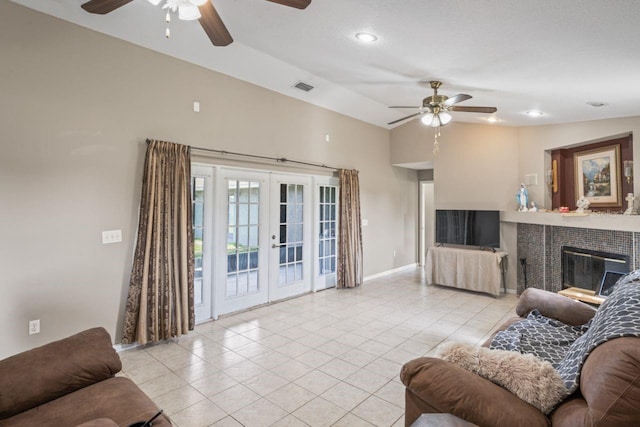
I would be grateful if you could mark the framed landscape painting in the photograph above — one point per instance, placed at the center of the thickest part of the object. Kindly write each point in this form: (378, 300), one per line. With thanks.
(598, 176)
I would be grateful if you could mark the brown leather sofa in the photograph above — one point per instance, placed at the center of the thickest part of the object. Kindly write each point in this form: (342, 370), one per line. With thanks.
(609, 393)
(71, 382)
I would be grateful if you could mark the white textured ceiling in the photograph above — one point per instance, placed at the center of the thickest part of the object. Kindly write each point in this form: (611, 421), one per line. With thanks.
(551, 55)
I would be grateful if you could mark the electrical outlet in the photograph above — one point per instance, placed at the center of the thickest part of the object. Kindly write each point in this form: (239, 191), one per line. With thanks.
(34, 326)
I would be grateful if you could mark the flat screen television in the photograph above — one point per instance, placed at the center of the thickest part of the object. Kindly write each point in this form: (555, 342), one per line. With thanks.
(468, 227)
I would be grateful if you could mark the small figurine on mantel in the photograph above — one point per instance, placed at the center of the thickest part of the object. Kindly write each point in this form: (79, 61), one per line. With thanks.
(523, 198)
(534, 207)
(582, 205)
(631, 199)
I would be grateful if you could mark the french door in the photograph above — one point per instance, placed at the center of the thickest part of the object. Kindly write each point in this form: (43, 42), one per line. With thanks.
(202, 209)
(326, 232)
(260, 237)
(290, 269)
(242, 261)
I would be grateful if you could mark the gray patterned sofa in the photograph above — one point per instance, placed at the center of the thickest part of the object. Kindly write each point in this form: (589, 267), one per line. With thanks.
(608, 389)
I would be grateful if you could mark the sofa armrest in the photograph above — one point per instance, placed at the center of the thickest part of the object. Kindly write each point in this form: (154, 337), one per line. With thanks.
(46, 373)
(555, 306)
(448, 388)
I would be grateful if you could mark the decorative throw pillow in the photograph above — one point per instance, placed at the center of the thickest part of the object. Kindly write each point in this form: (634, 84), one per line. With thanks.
(531, 379)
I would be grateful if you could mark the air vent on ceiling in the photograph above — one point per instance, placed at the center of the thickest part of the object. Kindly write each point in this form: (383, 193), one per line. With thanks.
(303, 86)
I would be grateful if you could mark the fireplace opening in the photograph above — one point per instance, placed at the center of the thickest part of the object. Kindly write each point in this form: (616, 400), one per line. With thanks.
(584, 268)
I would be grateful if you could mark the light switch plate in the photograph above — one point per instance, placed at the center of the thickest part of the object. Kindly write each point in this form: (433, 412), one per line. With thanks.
(111, 236)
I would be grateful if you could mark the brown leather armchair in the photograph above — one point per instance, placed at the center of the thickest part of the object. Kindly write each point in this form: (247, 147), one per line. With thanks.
(609, 393)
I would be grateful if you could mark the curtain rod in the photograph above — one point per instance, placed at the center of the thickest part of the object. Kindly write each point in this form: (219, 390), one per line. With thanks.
(255, 156)
(276, 159)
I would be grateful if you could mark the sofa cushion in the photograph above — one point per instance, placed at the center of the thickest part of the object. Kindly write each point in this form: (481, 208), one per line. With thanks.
(46, 373)
(618, 316)
(609, 388)
(118, 399)
(531, 379)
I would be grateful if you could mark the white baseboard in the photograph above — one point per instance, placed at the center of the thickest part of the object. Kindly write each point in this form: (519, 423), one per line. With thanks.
(122, 347)
(388, 272)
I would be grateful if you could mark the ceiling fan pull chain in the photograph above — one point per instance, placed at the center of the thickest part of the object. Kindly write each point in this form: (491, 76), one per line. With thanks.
(436, 144)
(167, 19)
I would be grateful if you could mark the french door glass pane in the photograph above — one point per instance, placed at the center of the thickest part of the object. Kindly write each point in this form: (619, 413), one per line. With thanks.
(291, 235)
(197, 210)
(327, 226)
(242, 237)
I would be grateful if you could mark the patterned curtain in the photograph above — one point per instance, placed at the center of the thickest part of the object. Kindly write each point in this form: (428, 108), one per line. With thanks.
(160, 301)
(350, 231)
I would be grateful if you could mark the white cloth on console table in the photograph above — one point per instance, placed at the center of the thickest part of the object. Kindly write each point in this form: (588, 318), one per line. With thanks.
(471, 269)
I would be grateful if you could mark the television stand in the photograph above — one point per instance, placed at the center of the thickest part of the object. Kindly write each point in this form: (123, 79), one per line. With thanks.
(472, 269)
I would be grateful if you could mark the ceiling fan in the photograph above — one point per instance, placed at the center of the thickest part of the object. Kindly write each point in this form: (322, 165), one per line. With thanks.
(208, 16)
(434, 108)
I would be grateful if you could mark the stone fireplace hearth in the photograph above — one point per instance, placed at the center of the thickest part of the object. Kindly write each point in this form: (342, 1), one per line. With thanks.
(541, 246)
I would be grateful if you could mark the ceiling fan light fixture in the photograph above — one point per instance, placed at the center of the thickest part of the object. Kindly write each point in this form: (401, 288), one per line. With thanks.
(366, 37)
(427, 119)
(534, 113)
(445, 118)
(188, 12)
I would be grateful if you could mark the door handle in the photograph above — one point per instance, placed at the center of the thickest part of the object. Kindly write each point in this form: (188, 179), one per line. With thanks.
(273, 246)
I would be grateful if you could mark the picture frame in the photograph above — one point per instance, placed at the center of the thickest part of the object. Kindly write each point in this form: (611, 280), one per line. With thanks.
(597, 176)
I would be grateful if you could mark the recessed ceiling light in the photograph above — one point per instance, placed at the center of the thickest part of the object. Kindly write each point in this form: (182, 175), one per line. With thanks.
(366, 37)
(491, 119)
(534, 113)
(596, 104)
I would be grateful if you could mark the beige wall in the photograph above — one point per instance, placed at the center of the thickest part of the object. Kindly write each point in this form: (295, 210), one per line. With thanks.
(476, 167)
(75, 110)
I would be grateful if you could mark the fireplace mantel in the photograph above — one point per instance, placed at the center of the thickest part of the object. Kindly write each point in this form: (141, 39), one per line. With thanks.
(592, 221)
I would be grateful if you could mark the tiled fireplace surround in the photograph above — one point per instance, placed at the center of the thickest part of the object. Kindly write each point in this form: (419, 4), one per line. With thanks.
(541, 246)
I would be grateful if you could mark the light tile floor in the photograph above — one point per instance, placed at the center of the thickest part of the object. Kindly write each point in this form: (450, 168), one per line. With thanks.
(331, 358)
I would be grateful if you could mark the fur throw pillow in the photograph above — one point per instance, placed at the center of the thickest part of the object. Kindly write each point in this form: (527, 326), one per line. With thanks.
(531, 379)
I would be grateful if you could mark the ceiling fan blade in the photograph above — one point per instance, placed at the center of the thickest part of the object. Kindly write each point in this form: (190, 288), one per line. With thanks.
(103, 7)
(488, 110)
(405, 118)
(213, 25)
(455, 99)
(405, 106)
(298, 4)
